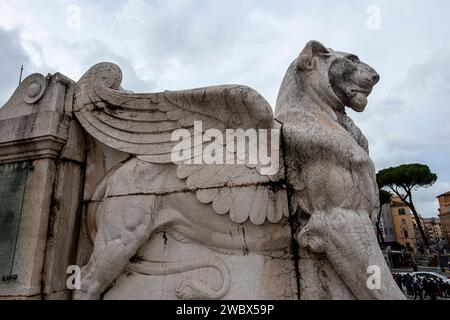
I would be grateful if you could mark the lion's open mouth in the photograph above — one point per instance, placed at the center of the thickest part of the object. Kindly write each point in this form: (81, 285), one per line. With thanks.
(352, 92)
(363, 88)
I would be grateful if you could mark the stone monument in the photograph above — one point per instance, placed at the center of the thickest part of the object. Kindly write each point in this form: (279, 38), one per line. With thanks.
(194, 194)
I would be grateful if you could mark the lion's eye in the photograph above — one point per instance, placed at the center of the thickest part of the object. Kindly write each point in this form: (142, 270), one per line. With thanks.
(353, 58)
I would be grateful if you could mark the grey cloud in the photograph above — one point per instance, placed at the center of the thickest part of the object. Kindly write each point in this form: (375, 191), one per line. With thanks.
(393, 102)
(12, 56)
(93, 52)
(183, 44)
(425, 198)
(412, 125)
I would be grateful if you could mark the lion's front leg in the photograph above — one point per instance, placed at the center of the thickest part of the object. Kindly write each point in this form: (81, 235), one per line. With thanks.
(340, 228)
(124, 224)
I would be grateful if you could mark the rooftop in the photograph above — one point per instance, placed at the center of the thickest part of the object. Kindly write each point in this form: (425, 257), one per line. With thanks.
(444, 194)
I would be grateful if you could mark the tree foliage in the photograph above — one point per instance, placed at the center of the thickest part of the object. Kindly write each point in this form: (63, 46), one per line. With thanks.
(406, 176)
(385, 197)
(402, 180)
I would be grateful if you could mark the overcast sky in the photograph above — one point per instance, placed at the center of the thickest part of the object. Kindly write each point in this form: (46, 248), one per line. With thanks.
(174, 44)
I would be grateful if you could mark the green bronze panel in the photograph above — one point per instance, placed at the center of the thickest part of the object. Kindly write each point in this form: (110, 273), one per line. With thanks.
(13, 178)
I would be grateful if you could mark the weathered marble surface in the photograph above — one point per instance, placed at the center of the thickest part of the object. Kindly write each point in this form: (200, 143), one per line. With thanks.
(332, 178)
(36, 127)
(319, 204)
(105, 188)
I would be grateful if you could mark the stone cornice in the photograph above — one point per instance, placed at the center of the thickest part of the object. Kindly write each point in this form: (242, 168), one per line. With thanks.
(31, 149)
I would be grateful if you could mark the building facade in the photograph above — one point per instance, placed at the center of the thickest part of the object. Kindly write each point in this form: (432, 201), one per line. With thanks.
(386, 224)
(444, 215)
(403, 224)
(433, 230)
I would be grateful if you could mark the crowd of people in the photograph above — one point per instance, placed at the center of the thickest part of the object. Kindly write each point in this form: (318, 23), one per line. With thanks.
(422, 287)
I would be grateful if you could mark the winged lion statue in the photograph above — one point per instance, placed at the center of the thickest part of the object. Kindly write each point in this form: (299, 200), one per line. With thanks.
(316, 207)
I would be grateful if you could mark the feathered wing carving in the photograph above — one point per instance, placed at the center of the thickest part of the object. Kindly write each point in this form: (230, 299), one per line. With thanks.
(142, 125)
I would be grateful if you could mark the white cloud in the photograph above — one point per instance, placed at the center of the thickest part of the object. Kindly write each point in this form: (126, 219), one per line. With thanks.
(178, 44)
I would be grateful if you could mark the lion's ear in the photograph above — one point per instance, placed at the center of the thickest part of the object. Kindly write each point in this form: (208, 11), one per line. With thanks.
(308, 56)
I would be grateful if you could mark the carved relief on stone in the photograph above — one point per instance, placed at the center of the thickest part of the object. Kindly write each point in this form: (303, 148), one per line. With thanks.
(36, 85)
(237, 213)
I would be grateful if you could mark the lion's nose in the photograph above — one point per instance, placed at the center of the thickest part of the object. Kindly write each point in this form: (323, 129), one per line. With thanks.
(375, 78)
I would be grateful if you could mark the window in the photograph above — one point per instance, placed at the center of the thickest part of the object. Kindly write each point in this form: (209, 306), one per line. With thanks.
(391, 231)
(405, 233)
(403, 221)
(401, 211)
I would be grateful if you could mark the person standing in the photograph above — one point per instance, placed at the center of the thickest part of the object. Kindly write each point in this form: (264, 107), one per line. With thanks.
(426, 287)
(439, 288)
(432, 289)
(417, 288)
(398, 280)
(442, 288)
(409, 285)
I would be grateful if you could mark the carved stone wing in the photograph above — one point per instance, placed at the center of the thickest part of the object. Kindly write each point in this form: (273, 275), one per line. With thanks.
(143, 124)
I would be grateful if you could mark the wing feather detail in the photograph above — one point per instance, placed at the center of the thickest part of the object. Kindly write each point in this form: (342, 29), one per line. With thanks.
(143, 124)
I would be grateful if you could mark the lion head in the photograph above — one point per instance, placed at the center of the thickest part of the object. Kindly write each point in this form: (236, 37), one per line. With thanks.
(337, 79)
